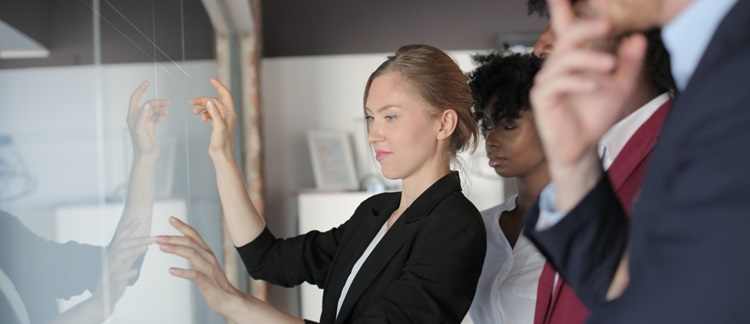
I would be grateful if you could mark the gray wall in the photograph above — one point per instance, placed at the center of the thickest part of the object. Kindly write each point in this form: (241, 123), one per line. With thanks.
(295, 28)
(182, 31)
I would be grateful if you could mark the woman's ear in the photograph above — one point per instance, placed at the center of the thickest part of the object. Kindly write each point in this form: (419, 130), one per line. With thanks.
(448, 120)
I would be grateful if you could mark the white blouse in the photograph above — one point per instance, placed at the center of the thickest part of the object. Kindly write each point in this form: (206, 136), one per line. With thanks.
(507, 287)
(358, 265)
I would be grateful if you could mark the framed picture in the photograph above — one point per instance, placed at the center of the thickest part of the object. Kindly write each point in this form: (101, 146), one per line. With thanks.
(332, 161)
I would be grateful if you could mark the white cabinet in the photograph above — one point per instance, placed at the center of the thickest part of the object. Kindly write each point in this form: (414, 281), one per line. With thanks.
(322, 211)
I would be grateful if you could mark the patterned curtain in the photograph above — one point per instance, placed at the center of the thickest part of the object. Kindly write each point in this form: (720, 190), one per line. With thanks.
(247, 96)
(251, 51)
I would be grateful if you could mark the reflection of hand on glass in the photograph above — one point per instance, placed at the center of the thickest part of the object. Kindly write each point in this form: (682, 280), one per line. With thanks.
(121, 255)
(207, 274)
(78, 267)
(142, 120)
(126, 251)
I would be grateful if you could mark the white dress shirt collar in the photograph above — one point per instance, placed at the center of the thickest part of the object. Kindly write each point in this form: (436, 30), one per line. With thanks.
(686, 37)
(616, 137)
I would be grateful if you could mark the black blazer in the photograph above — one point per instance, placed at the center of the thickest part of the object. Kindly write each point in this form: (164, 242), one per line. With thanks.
(424, 270)
(688, 236)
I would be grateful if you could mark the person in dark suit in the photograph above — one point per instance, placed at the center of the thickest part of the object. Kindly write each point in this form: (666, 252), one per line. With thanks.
(404, 257)
(682, 256)
(624, 150)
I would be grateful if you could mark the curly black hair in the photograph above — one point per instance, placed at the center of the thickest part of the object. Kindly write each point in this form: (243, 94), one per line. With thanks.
(657, 58)
(507, 76)
(538, 7)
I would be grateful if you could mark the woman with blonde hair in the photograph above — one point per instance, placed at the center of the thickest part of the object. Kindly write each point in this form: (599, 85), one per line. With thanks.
(403, 257)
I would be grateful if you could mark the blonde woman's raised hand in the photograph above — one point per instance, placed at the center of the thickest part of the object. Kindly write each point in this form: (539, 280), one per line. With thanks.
(223, 116)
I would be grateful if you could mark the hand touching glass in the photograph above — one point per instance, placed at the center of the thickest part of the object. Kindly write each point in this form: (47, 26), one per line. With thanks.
(211, 280)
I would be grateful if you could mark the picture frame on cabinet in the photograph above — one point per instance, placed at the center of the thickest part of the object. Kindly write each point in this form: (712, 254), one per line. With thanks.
(332, 160)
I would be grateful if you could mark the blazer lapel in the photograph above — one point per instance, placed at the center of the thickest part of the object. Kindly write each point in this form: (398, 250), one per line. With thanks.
(637, 148)
(379, 258)
(401, 231)
(352, 249)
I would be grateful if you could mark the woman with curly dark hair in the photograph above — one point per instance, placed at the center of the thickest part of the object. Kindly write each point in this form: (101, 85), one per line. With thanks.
(507, 287)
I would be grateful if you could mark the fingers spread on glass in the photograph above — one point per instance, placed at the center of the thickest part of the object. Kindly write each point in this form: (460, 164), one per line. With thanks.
(206, 273)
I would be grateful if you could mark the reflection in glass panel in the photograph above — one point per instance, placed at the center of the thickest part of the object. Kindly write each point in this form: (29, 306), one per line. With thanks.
(98, 148)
